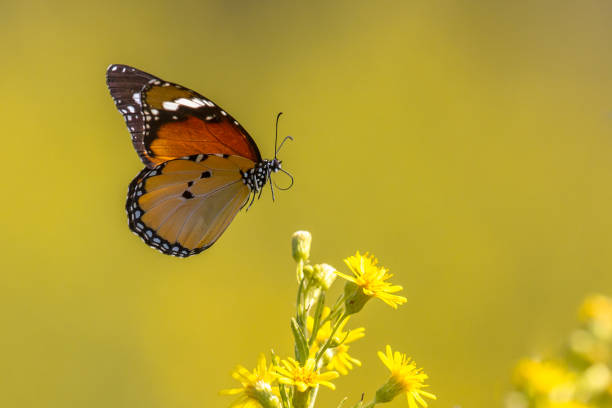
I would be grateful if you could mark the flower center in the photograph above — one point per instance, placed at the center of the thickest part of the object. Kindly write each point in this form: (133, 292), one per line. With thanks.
(305, 376)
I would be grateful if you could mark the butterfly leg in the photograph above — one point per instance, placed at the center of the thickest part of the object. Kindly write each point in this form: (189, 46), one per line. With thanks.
(252, 200)
(271, 187)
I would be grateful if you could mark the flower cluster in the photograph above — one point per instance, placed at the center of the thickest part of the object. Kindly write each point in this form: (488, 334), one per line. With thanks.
(322, 339)
(581, 376)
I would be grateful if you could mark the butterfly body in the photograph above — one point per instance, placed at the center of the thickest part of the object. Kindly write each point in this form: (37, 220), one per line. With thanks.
(202, 166)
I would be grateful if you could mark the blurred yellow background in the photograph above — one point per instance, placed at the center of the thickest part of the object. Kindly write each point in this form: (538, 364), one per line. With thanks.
(467, 144)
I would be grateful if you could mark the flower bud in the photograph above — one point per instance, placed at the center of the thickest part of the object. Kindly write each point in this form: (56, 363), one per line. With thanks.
(324, 275)
(262, 393)
(354, 298)
(389, 391)
(300, 245)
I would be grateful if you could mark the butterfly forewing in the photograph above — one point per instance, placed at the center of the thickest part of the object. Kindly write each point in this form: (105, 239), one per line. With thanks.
(168, 121)
(182, 207)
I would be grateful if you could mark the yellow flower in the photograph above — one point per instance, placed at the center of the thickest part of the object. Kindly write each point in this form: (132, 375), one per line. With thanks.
(303, 377)
(340, 360)
(326, 329)
(257, 390)
(596, 312)
(564, 404)
(369, 281)
(405, 378)
(543, 377)
(596, 306)
(336, 357)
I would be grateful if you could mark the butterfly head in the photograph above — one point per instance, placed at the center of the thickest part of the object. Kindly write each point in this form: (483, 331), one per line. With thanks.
(275, 165)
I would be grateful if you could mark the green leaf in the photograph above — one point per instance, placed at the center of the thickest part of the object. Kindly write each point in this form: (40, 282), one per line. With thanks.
(317, 318)
(285, 400)
(301, 345)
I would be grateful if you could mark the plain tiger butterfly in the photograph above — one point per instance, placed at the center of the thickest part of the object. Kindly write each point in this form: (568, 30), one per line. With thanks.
(202, 166)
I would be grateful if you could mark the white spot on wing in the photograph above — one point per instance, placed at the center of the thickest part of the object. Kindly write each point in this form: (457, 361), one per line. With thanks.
(187, 102)
(136, 98)
(171, 106)
(131, 109)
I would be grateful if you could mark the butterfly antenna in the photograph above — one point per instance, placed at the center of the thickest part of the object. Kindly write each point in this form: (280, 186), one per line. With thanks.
(290, 185)
(276, 133)
(282, 143)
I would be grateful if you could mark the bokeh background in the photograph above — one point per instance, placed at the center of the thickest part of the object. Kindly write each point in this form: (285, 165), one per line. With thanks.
(468, 144)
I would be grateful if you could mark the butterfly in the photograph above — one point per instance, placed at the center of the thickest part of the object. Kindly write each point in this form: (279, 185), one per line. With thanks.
(202, 166)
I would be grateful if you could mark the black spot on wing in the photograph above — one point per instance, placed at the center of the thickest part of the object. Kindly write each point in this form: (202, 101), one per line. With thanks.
(140, 228)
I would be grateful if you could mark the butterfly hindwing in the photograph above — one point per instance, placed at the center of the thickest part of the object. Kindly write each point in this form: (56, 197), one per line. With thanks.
(168, 121)
(182, 206)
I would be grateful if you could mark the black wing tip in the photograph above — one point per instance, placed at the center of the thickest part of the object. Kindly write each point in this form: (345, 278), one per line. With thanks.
(119, 71)
(119, 68)
(115, 69)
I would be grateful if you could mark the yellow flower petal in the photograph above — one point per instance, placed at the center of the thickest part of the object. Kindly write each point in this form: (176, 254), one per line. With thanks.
(256, 389)
(372, 280)
(405, 378)
(303, 377)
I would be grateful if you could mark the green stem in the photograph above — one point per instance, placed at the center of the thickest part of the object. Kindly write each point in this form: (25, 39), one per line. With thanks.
(370, 404)
(299, 312)
(313, 397)
(334, 310)
(301, 399)
(299, 272)
(329, 341)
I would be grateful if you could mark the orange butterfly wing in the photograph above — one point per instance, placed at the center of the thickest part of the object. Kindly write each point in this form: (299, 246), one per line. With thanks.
(168, 121)
(182, 207)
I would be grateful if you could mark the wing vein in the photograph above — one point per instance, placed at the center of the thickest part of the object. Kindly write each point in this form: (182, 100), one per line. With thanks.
(204, 197)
